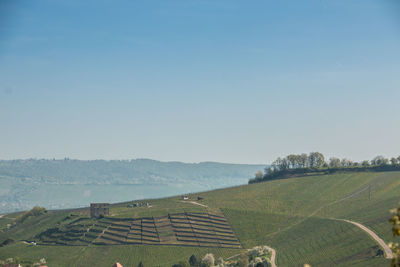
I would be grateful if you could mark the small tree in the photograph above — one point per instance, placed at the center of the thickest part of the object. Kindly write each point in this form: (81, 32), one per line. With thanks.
(220, 262)
(259, 175)
(394, 161)
(334, 162)
(379, 160)
(208, 260)
(35, 211)
(193, 261)
(365, 163)
(346, 163)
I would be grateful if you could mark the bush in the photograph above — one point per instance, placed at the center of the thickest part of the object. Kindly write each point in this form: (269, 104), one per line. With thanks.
(8, 241)
(193, 261)
(181, 264)
(220, 262)
(35, 211)
(243, 260)
(208, 260)
(395, 221)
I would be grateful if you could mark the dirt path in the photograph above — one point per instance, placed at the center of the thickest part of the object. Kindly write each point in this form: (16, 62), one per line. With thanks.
(273, 256)
(101, 234)
(354, 193)
(195, 203)
(388, 251)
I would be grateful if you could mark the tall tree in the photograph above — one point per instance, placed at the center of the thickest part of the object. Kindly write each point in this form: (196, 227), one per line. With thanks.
(346, 163)
(293, 161)
(285, 164)
(316, 160)
(276, 165)
(365, 163)
(379, 160)
(334, 162)
(304, 160)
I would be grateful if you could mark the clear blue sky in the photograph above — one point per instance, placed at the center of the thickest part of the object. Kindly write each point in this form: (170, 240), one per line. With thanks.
(212, 80)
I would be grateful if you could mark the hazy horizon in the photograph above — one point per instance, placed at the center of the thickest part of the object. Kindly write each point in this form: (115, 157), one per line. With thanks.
(133, 159)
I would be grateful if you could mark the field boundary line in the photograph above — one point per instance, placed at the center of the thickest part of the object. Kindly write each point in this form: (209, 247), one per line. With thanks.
(195, 203)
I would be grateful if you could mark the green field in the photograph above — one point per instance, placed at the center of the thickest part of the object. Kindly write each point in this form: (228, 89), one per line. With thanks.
(294, 216)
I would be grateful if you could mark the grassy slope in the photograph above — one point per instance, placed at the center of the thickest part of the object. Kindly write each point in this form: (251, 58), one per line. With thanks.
(108, 255)
(291, 215)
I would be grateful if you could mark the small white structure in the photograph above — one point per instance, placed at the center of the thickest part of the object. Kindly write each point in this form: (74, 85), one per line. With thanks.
(185, 197)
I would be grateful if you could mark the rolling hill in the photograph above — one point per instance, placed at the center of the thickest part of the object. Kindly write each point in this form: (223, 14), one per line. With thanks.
(296, 216)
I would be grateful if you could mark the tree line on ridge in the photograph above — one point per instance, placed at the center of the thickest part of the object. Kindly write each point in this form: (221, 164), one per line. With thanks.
(315, 162)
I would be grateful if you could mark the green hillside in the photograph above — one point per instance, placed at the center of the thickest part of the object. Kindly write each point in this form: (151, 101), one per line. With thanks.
(295, 216)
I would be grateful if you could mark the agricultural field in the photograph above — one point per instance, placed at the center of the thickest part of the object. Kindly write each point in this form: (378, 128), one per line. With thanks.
(182, 229)
(296, 216)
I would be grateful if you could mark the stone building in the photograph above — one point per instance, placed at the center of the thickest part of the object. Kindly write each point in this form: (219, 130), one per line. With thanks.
(98, 209)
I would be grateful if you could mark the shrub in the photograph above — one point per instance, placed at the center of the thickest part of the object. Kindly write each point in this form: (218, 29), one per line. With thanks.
(35, 211)
(193, 261)
(395, 221)
(208, 260)
(181, 264)
(220, 262)
(8, 241)
(243, 260)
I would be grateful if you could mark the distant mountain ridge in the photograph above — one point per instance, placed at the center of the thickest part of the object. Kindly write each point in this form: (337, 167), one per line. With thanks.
(121, 171)
(72, 183)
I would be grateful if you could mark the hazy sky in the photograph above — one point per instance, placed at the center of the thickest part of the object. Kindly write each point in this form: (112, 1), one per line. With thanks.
(214, 80)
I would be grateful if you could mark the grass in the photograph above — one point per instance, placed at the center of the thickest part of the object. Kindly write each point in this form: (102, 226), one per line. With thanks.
(108, 255)
(292, 215)
(323, 244)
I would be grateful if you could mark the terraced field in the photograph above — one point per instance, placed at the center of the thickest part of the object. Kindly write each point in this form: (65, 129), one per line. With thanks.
(182, 229)
(295, 216)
